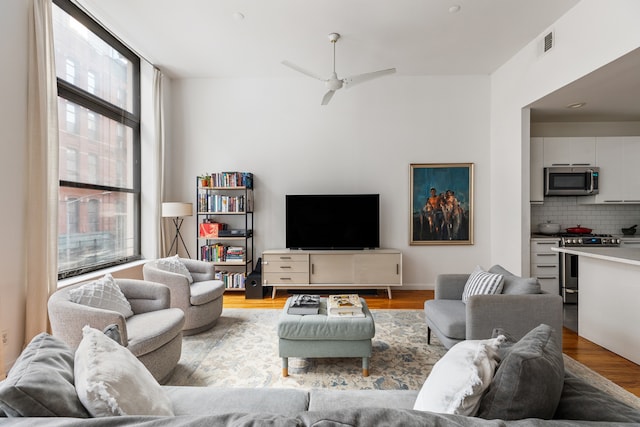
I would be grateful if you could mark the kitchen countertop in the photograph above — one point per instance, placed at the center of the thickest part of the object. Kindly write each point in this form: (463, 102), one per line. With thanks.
(622, 255)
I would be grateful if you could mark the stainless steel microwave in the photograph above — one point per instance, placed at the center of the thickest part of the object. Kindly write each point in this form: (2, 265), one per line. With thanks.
(571, 181)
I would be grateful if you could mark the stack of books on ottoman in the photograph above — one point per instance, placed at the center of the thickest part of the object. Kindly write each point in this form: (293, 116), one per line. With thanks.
(348, 305)
(304, 304)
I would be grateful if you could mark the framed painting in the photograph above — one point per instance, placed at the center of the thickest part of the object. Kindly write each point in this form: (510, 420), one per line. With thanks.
(441, 204)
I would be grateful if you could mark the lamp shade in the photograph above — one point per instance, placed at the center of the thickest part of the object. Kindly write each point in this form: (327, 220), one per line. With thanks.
(176, 209)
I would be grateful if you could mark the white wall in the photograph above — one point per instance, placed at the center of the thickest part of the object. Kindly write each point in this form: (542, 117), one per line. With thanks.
(13, 137)
(589, 36)
(363, 141)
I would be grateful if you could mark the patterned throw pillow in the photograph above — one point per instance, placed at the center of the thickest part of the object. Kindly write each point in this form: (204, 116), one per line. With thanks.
(104, 293)
(481, 282)
(175, 265)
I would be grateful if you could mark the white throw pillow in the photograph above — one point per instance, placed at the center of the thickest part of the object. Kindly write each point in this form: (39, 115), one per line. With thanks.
(458, 380)
(110, 380)
(482, 282)
(175, 265)
(103, 293)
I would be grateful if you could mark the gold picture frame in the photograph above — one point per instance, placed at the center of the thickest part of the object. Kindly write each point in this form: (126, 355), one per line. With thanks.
(441, 198)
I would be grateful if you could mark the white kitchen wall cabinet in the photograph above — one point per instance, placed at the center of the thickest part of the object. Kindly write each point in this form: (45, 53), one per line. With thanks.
(617, 157)
(536, 185)
(569, 151)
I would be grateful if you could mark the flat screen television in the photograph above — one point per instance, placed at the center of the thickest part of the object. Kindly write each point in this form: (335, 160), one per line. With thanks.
(332, 221)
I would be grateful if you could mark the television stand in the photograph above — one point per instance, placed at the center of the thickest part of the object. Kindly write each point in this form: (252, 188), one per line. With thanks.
(332, 269)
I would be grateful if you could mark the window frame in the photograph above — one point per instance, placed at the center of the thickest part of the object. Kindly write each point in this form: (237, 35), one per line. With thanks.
(131, 119)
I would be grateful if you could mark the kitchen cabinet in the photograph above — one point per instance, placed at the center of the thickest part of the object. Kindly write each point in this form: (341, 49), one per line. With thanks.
(545, 263)
(536, 184)
(569, 151)
(617, 158)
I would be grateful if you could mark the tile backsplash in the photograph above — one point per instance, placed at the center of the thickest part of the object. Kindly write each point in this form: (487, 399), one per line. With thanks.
(603, 219)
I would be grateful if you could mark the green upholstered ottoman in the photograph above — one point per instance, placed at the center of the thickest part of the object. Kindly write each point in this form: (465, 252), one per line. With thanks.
(319, 335)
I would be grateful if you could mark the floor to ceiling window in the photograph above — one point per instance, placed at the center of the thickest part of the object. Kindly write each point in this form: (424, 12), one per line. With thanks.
(99, 125)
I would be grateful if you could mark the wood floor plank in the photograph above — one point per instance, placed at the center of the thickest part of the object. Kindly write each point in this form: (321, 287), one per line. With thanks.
(616, 368)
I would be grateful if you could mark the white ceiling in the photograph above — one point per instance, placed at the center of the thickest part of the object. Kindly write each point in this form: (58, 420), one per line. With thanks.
(205, 39)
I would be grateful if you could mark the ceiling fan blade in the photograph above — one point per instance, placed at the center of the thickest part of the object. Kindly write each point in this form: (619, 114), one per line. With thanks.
(361, 78)
(327, 97)
(301, 70)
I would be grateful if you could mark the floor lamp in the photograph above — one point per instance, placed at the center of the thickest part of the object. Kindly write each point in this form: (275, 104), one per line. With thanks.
(177, 211)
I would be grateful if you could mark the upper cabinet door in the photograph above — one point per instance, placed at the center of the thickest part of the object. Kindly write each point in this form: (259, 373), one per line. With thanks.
(618, 159)
(536, 184)
(569, 151)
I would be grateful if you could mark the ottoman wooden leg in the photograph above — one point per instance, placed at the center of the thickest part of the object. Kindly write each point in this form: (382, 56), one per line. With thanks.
(365, 366)
(285, 367)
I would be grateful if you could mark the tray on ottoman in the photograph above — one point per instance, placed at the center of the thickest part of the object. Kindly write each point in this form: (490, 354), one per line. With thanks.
(319, 335)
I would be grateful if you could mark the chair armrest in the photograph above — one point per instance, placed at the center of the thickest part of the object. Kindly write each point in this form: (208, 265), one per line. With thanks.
(450, 286)
(68, 318)
(200, 270)
(178, 284)
(516, 314)
(145, 296)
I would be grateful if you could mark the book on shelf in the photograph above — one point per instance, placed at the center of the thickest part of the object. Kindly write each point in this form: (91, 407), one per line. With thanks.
(344, 303)
(304, 304)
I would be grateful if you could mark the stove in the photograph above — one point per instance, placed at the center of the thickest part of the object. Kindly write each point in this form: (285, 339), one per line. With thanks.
(569, 262)
(590, 240)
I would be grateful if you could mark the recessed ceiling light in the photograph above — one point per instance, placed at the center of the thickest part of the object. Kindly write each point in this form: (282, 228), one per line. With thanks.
(238, 16)
(576, 105)
(455, 8)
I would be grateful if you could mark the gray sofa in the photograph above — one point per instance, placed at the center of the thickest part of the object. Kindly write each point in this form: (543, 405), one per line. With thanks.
(519, 308)
(40, 392)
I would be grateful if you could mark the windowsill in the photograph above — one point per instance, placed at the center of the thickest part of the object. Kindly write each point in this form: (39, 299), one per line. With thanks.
(99, 273)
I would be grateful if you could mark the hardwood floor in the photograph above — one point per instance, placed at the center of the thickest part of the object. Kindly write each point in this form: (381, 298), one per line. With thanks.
(617, 369)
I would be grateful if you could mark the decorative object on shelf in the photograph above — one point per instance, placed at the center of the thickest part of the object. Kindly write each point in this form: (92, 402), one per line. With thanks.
(205, 180)
(441, 204)
(177, 211)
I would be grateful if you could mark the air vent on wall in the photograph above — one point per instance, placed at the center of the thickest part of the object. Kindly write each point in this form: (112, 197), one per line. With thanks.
(548, 42)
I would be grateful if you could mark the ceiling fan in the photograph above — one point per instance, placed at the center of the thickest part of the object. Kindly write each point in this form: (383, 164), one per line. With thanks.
(333, 83)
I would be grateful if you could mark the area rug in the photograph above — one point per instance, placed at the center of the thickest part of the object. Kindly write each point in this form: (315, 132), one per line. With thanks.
(242, 351)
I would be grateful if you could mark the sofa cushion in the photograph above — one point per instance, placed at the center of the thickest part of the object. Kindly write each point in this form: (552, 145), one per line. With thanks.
(329, 399)
(148, 332)
(206, 291)
(40, 383)
(528, 382)
(110, 380)
(458, 380)
(582, 401)
(449, 315)
(173, 264)
(515, 285)
(481, 282)
(192, 400)
(103, 293)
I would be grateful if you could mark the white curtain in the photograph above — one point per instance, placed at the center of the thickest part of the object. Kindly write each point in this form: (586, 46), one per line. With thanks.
(159, 121)
(41, 232)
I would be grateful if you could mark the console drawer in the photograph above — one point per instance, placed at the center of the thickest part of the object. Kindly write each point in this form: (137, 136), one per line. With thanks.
(285, 278)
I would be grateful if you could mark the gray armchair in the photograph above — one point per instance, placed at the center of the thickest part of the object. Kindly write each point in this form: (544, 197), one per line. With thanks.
(153, 334)
(452, 321)
(201, 300)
